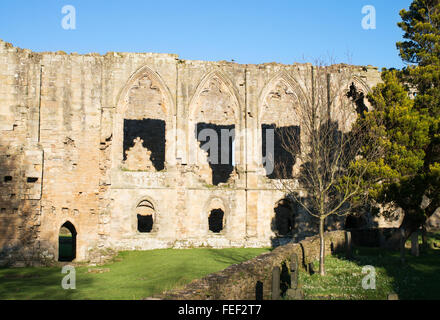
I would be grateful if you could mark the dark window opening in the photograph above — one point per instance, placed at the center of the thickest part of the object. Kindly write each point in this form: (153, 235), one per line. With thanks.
(284, 221)
(220, 171)
(67, 242)
(32, 180)
(358, 98)
(145, 223)
(152, 132)
(7, 179)
(355, 222)
(145, 216)
(279, 160)
(216, 220)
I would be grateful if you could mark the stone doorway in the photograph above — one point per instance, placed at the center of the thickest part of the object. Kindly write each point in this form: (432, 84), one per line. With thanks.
(67, 242)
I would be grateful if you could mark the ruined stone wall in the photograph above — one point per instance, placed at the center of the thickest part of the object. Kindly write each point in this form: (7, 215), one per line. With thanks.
(94, 140)
(252, 279)
(21, 157)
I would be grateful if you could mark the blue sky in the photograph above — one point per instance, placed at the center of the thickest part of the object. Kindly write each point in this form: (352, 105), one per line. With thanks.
(284, 31)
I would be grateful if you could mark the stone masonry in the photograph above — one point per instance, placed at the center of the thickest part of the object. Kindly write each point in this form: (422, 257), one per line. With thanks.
(108, 143)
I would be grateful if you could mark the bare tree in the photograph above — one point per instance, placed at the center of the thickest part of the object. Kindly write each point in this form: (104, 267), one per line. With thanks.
(326, 178)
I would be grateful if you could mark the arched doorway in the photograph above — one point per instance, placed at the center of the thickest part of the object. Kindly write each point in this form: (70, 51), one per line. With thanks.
(67, 242)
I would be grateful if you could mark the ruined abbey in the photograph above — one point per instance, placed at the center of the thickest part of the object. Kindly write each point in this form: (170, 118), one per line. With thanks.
(108, 147)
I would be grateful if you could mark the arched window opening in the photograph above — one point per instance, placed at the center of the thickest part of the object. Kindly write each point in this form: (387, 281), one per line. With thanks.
(358, 97)
(145, 216)
(144, 118)
(214, 117)
(284, 218)
(221, 153)
(67, 242)
(280, 127)
(280, 147)
(151, 136)
(216, 220)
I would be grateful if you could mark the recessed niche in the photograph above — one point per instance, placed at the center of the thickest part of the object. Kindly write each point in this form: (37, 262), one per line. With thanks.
(145, 216)
(32, 180)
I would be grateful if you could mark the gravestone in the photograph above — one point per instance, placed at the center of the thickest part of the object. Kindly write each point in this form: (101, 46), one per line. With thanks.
(311, 268)
(393, 296)
(259, 291)
(415, 244)
(348, 245)
(276, 273)
(294, 293)
(402, 245)
(424, 238)
(382, 239)
(294, 269)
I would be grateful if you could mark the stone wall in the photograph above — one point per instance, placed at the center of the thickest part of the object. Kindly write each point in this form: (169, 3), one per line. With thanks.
(21, 157)
(242, 281)
(373, 237)
(69, 149)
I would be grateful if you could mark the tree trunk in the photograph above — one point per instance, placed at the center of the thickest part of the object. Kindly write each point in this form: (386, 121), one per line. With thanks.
(411, 223)
(321, 247)
(413, 219)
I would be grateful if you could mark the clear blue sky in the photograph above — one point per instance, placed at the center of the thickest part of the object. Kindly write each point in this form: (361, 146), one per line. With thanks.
(254, 31)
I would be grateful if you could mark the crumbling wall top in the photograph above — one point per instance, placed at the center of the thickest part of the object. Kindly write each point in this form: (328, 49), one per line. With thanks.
(6, 46)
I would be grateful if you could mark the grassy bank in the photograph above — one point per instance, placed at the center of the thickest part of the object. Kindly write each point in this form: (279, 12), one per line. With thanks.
(417, 278)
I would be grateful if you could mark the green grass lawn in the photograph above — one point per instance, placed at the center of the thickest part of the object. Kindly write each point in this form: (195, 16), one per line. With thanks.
(133, 274)
(140, 274)
(418, 278)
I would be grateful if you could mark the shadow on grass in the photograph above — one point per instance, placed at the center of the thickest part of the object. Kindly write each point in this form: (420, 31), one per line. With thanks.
(416, 278)
(130, 275)
(38, 284)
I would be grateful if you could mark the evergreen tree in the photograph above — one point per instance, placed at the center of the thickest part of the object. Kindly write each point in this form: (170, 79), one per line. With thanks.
(406, 121)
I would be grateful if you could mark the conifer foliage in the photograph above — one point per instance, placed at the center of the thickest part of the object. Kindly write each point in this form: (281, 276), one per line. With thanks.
(405, 120)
